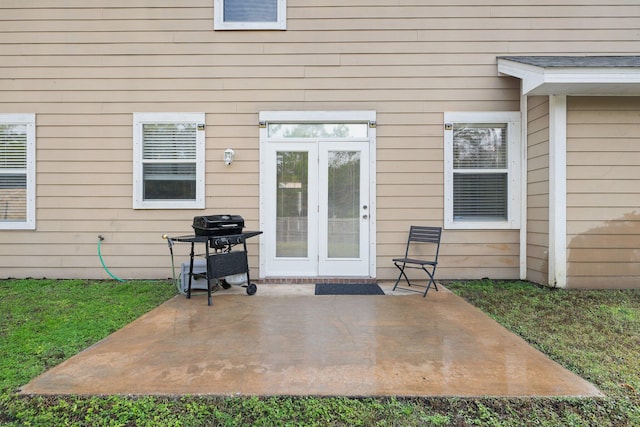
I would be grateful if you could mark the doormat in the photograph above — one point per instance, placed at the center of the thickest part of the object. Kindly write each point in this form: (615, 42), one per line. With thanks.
(348, 289)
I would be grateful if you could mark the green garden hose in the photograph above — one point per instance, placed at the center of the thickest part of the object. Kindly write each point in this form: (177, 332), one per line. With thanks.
(100, 239)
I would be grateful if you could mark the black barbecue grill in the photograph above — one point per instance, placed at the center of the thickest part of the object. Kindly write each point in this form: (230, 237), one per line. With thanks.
(218, 225)
(219, 234)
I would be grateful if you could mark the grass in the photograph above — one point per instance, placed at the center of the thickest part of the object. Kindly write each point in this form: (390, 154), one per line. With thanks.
(43, 322)
(594, 333)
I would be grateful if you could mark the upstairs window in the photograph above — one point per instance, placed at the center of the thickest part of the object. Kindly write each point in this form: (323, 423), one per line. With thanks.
(482, 170)
(250, 14)
(17, 171)
(168, 160)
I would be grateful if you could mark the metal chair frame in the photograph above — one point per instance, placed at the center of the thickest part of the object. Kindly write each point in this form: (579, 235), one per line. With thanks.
(419, 235)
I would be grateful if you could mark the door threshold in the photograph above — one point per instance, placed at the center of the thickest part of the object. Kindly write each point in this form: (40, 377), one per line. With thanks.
(323, 279)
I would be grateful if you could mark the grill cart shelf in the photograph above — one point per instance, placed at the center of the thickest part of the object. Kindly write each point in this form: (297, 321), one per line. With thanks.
(222, 260)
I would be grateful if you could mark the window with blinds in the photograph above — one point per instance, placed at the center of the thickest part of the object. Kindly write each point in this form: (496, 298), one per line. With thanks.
(170, 160)
(250, 14)
(17, 149)
(480, 153)
(481, 164)
(13, 172)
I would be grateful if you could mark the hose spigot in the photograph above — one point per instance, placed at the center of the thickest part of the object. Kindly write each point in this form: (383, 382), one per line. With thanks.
(166, 237)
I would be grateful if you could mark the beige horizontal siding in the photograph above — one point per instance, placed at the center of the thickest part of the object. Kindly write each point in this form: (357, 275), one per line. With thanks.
(538, 189)
(85, 67)
(603, 186)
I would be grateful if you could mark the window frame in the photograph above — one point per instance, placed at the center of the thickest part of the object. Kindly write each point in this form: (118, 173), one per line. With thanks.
(220, 24)
(29, 223)
(514, 137)
(140, 119)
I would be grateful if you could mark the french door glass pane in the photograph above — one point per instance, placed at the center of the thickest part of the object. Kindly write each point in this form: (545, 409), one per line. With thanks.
(344, 204)
(291, 202)
(318, 130)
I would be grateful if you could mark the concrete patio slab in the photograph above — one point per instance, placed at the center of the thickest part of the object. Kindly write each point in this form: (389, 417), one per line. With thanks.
(285, 341)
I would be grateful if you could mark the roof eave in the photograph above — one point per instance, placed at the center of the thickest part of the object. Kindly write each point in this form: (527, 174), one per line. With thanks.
(593, 81)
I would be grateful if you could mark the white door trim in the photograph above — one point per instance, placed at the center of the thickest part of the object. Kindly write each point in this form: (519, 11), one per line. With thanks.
(266, 117)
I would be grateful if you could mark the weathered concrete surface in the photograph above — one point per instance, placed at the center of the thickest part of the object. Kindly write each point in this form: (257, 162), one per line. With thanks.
(295, 343)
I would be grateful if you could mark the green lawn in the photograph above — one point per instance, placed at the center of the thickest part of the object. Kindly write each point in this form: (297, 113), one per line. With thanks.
(593, 333)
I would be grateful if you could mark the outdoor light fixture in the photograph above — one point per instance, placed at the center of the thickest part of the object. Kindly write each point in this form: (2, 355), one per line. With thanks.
(228, 156)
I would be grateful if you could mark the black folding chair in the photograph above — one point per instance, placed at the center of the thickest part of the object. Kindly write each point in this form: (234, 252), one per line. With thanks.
(419, 237)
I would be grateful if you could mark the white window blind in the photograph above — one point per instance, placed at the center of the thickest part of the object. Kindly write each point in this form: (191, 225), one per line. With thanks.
(250, 10)
(480, 196)
(169, 141)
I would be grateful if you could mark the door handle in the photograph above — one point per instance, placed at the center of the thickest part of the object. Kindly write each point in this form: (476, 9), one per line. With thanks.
(365, 216)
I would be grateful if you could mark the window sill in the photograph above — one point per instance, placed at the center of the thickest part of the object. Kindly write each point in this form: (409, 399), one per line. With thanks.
(481, 225)
(250, 26)
(168, 205)
(18, 225)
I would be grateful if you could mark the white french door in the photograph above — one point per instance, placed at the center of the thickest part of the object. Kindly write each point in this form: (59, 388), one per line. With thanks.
(316, 193)
(289, 208)
(343, 233)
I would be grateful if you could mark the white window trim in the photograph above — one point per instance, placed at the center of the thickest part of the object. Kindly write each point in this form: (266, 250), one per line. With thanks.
(141, 118)
(512, 119)
(220, 24)
(30, 121)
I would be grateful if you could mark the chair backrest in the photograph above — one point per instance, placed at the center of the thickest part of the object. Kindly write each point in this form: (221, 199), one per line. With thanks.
(420, 234)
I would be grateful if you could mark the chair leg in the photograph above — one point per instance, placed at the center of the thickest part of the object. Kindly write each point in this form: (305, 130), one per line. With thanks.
(427, 289)
(431, 280)
(402, 273)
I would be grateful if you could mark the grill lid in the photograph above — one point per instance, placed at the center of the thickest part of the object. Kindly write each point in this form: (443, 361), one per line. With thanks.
(218, 225)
